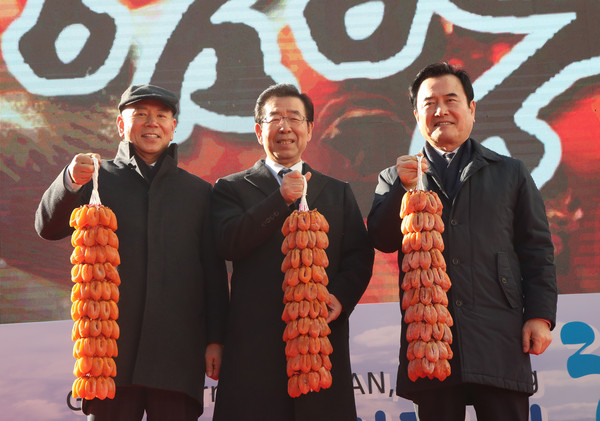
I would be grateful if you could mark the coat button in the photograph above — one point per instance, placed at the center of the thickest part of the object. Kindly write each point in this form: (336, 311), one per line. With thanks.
(455, 260)
(453, 222)
(503, 280)
(459, 303)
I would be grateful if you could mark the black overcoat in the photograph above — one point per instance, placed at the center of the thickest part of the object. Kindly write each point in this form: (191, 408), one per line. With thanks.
(500, 260)
(173, 295)
(249, 212)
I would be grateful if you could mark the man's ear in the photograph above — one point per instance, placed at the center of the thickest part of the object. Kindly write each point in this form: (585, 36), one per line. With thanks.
(309, 130)
(258, 131)
(174, 127)
(120, 125)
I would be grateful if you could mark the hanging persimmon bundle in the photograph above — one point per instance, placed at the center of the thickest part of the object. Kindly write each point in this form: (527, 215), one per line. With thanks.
(425, 285)
(306, 298)
(95, 295)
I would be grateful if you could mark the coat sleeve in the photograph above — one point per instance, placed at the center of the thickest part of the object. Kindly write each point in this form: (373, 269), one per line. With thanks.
(54, 211)
(240, 229)
(216, 286)
(356, 264)
(533, 244)
(384, 220)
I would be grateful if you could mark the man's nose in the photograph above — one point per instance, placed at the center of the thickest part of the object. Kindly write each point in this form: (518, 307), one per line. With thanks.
(151, 120)
(284, 124)
(441, 109)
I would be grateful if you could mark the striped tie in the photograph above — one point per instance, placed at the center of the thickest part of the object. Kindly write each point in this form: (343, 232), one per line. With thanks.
(448, 156)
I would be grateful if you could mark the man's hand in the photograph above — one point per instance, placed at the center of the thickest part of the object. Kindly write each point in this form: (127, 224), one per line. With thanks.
(213, 356)
(335, 309)
(406, 167)
(81, 168)
(536, 336)
(292, 186)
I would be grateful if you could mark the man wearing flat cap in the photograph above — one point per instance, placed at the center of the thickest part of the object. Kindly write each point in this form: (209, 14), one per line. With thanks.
(173, 295)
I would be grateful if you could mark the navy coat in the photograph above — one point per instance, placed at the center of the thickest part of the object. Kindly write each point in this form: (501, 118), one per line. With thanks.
(500, 260)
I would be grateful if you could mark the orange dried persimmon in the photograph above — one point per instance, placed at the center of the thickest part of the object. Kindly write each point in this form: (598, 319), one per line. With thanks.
(92, 215)
(101, 388)
(94, 296)
(104, 216)
(306, 298)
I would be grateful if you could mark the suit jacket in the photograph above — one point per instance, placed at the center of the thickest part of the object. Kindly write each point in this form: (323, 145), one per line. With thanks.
(248, 213)
(173, 292)
(500, 259)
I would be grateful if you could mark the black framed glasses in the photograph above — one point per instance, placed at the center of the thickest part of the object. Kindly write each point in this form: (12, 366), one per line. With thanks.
(277, 120)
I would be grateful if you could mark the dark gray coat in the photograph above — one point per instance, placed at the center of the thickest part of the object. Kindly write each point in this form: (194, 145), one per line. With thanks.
(174, 286)
(500, 260)
(248, 212)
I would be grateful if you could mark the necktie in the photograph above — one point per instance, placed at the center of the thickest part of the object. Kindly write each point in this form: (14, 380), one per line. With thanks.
(283, 172)
(448, 156)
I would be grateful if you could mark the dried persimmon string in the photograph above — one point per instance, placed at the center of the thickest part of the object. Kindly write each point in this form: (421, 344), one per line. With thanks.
(94, 295)
(425, 284)
(306, 298)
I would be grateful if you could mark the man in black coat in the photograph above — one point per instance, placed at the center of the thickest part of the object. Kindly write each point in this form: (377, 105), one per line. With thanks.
(498, 251)
(174, 293)
(249, 209)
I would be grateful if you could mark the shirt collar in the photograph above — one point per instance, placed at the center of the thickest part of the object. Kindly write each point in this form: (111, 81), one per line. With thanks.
(441, 152)
(275, 167)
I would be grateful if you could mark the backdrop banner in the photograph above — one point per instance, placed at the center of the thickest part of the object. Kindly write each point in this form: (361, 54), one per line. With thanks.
(36, 363)
(535, 68)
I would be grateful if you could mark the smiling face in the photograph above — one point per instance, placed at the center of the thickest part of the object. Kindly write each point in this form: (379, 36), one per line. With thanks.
(149, 125)
(443, 113)
(284, 143)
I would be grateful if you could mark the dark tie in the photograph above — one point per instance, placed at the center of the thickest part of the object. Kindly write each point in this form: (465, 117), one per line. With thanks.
(283, 172)
(448, 156)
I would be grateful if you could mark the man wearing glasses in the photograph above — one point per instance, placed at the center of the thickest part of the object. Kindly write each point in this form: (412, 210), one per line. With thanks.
(249, 209)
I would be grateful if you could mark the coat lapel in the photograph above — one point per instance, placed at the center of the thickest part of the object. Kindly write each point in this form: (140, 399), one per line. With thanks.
(260, 177)
(481, 156)
(315, 185)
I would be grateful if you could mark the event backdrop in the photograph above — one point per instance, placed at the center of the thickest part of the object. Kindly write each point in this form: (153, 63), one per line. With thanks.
(536, 71)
